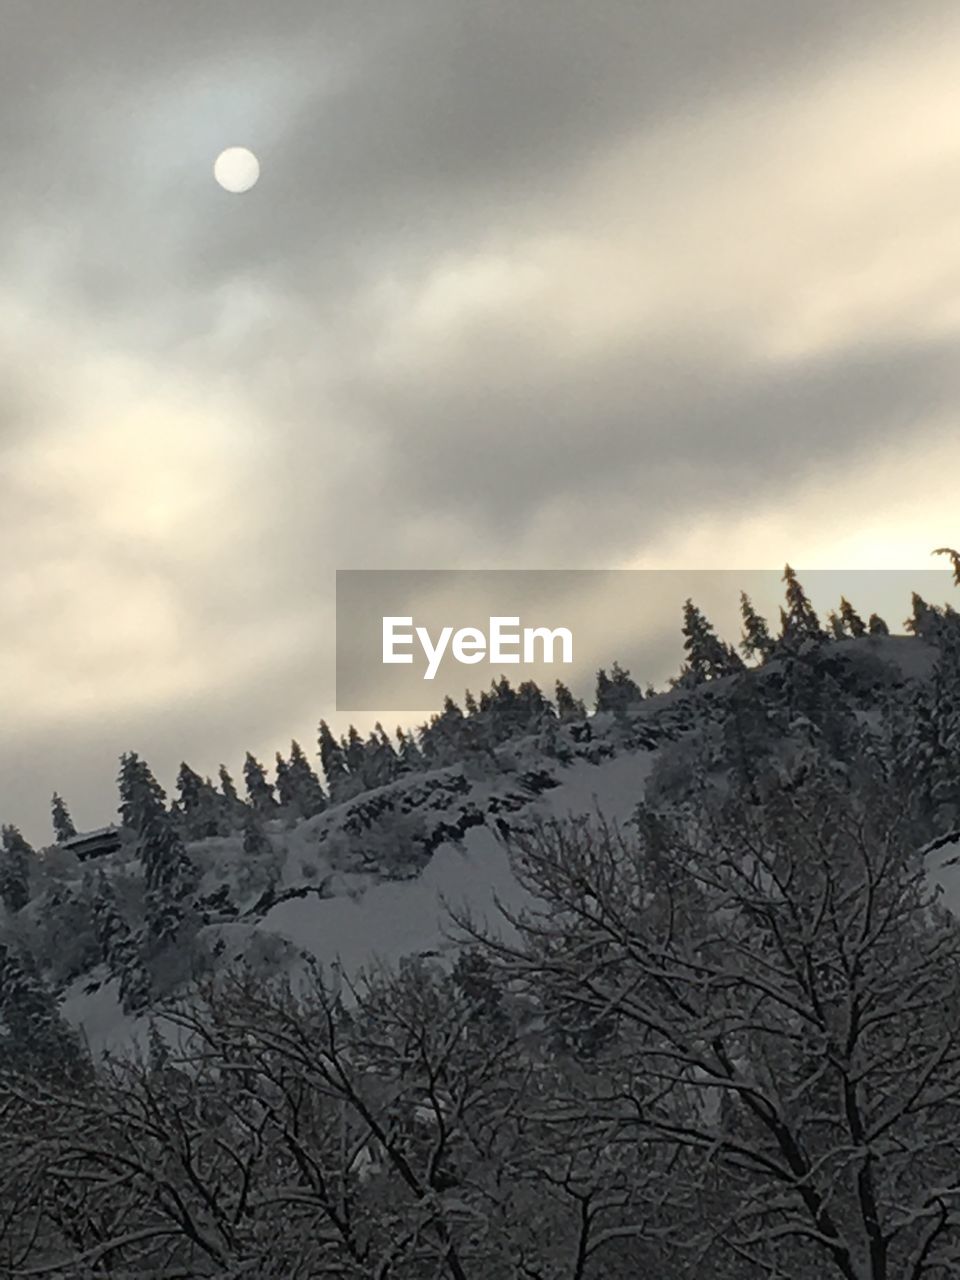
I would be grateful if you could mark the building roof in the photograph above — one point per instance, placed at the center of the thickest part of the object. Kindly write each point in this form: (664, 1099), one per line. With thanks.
(83, 836)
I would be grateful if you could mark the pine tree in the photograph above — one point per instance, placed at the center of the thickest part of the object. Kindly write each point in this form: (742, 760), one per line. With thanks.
(259, 790)
(507, 712)
(924, 742)
(924, 618)
(757, 641)
(380, 763)
(228, 788)
(835, 626)
(189, 784)
(568, 707)
(231, 806)
(38, 1041)
(200, 809)
(708, 658)
(118, 948)
(334, 762)
(551, 742)
(443, 740)
(285, 792)
(16, 856)
(617, 692)
(308, 794)
(354, 751)
(800, 622)
(532, 708)
(876, 626)
(409, 756)
(140, 793)
(749, 734)
(851, 620)
(256, 843)
(63, 827)
(169, 875)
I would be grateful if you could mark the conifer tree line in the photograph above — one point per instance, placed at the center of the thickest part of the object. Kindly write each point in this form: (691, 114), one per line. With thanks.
(353, 764)
(130, 937)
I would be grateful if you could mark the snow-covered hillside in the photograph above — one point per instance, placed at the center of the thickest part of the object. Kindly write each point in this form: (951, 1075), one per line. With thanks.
(709, 980)
(346, 888)
(359, 919)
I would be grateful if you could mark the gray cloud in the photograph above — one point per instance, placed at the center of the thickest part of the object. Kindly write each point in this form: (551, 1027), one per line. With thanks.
(508, 290)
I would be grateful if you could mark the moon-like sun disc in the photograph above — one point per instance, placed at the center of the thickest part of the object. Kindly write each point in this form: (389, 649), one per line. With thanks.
(236, 169)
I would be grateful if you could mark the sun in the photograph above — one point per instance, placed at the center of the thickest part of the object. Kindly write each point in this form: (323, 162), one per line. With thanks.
(236, 169)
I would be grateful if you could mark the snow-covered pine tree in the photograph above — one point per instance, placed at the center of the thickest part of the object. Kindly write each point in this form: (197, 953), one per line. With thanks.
(800, 623)
(140, 793)
(169, 874)
(618, 692)
(15, 860)
(749, 734)
(757, 642)
(63, 827)
(285, 793)
(199, 807)
(189, 784)
(256, 843)
(568, 707)
(354, 751)
(38, 1042)
(259, 790)
(310, 794)
(334, 762)
(835, 626)
(380, 763)
(876, 626)
(550, 741)
(409, 755)
(531, 708)
(852, 622)
(442, 741)
(923, 619)
(118, 948)
(503, 714)
(230, 806)
(708, 658)
(228, 788)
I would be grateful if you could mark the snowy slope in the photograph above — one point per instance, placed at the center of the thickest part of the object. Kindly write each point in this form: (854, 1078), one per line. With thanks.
(370, 921)
(366, 882)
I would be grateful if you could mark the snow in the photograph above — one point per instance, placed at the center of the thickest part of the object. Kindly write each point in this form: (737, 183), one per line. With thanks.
(395, 919)
(98, 1015)
(378, 922)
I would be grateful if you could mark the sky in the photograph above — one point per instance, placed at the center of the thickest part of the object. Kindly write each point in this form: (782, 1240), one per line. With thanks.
(528, 285)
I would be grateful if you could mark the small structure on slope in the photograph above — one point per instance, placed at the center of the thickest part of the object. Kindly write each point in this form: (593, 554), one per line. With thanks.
(94, 844)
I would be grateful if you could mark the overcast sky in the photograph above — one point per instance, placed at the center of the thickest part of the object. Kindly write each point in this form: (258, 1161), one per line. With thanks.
(667, 283)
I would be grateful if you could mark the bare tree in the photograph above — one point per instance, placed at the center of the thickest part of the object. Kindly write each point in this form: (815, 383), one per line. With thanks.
(784, 993)
(411, 1129)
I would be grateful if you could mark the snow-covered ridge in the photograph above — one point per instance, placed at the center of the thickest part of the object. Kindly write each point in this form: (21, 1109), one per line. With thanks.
(367, 879)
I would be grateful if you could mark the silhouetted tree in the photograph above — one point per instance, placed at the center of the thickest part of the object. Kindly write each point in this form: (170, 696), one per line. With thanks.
(62, 822)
